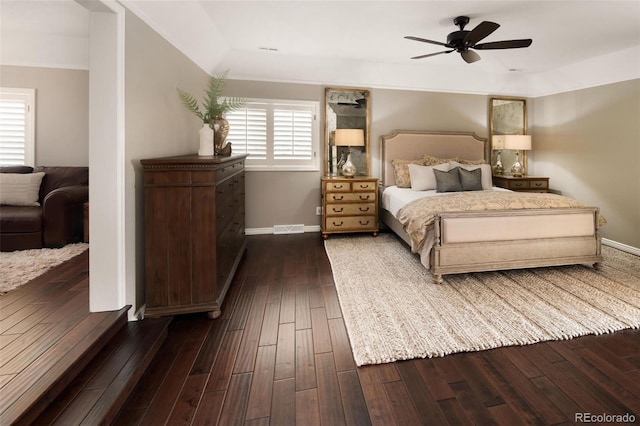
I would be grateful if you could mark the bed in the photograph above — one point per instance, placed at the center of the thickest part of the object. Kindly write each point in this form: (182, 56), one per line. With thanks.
(516, 236)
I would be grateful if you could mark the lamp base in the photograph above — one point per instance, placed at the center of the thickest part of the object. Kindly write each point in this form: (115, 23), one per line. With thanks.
(517, 170)
(498, 169)
(349, 169)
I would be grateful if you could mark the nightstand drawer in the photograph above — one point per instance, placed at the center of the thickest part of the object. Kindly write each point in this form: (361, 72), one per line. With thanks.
(350, 223)
(351, 197)
(364, 186)
(350, 209)
(338, 186)
(519, 184)
(539, 184)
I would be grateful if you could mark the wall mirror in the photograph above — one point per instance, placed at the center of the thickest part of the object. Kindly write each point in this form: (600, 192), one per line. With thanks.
(507, 116)
(346, 109)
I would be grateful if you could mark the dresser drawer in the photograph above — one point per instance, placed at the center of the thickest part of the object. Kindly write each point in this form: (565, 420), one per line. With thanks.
(351, 197)
(350, 209)
(228, 170)
(338, 186)
(350, 223)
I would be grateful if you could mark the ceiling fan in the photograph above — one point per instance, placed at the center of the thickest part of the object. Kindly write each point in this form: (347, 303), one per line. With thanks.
(461, 41)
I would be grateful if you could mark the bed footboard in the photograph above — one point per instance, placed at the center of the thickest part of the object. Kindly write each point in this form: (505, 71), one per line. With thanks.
(497, 240)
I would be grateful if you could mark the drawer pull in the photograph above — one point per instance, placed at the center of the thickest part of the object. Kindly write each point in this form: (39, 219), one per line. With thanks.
(337, 210)
(364, 197)
(338, 224)
(363, 209)
(338, 197)
(538, 184)
(364, 223)
(363, 186)
(336, 186)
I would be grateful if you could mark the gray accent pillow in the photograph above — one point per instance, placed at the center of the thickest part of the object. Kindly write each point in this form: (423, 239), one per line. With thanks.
(471, 180)
(448, 181)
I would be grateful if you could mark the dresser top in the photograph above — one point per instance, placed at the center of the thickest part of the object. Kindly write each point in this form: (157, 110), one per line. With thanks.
(192, 159)
(509, 177)
(355, 178)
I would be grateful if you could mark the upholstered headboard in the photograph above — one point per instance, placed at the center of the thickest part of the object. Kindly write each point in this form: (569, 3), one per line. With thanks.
(412, 145)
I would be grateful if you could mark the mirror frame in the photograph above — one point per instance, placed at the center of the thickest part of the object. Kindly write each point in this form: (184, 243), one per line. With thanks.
(495, 129)
(347, 94)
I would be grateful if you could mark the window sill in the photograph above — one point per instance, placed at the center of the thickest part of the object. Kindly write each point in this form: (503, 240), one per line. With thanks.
(251, 168)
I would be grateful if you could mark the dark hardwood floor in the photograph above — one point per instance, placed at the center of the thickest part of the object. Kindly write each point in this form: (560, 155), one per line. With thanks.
(280, 355)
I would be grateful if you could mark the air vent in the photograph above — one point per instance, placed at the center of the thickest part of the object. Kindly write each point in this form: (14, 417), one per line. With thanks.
(288, 229)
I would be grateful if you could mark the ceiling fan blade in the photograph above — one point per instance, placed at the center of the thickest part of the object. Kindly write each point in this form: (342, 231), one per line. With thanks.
(432, 54)
(470, 56)
(424, 40)
(481, 31)
(506, 44)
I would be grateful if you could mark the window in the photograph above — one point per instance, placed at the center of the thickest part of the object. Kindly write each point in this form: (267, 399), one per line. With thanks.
(278, 135)
(17, 126)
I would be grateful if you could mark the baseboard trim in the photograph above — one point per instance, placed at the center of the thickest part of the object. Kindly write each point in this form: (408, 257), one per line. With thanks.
(139, 314)
(270, 230)
(620, 246)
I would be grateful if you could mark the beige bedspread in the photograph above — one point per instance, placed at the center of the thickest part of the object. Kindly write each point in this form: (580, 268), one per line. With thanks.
(418, 216)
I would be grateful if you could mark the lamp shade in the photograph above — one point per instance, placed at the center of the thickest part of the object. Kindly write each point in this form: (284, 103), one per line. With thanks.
(497, 141)
(522, 142)
(349, 137)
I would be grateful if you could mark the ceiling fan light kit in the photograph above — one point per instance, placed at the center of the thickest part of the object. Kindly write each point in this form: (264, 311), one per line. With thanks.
(462, 41)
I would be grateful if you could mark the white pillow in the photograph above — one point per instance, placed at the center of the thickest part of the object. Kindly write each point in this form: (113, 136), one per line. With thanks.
(17, 189)
(423, 178)
(487, 181)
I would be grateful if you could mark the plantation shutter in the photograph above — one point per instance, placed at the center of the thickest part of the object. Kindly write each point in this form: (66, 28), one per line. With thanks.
(292, 133)
(277, 134)
(248, 131)
(17, 126)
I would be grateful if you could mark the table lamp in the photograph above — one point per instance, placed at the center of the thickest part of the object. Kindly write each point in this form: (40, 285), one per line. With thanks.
(349, 138)
(518, 143)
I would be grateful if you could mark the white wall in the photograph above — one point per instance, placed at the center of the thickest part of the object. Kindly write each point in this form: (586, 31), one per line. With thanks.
(588, 142)
(62, 112)
(157, 125)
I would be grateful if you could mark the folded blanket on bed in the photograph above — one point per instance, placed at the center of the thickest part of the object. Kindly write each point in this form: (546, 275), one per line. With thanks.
(418, 216)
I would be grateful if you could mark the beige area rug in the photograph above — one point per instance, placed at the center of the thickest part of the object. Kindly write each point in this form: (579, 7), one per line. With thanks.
(20, 267)
(394, 311)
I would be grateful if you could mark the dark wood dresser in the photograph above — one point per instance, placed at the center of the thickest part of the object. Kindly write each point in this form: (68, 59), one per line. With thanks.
(194, 212)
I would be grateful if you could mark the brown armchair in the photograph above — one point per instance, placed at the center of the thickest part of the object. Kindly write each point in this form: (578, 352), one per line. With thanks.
(57, 221)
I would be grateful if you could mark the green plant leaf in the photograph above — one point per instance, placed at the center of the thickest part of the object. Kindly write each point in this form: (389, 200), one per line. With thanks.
(191, 104)
(211, 103)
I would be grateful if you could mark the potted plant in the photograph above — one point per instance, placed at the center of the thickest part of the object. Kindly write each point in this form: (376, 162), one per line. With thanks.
(212, 115)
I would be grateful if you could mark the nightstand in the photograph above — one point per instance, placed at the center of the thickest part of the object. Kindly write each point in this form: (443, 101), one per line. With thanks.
(349, 205)
(522, 184)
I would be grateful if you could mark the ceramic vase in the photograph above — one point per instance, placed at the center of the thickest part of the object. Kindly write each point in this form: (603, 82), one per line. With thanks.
(206, 140)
